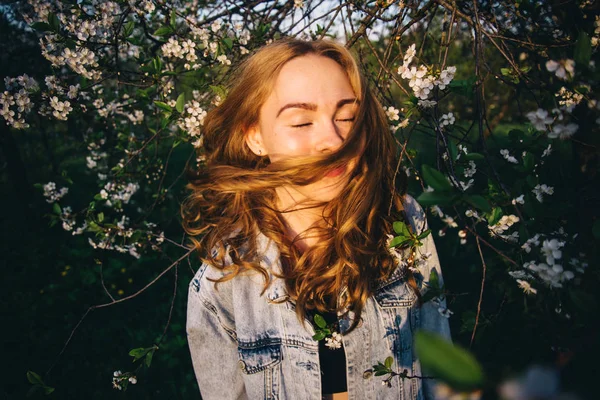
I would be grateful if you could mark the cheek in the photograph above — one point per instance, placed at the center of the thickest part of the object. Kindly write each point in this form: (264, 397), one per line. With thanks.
(286, 144)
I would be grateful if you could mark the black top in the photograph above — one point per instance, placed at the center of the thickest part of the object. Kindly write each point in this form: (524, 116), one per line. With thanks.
(333, 363)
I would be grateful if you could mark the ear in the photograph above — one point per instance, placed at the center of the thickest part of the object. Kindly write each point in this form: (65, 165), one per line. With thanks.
(254, 140)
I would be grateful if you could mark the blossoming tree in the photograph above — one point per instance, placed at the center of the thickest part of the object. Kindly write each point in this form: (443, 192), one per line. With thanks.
(493, 105)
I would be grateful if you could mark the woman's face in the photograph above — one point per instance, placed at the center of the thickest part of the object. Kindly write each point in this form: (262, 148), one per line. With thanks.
(310, 112)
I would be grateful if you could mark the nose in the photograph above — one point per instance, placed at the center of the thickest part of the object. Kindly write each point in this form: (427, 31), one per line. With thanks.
(331, 137)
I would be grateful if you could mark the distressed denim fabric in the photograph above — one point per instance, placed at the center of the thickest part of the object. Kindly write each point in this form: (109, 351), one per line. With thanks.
(245, 345)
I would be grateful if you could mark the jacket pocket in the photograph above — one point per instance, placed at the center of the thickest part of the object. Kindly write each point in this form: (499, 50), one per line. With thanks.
(257, 357)
(395, 293)
(259, 363)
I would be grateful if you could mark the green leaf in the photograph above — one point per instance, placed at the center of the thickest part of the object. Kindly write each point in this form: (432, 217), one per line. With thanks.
(453, 150)
(48, 390)
(157, 64)
(448, 363)
(381, 373)
(163, 31)
(34, 378)
(128, 28)
(401, 229)
(463, 87)
(506, 71)
(399, 241)
(228, 43)
(429, 295)
(389, 362)
(56, 209)
(436, 198)
(54, 22)
(149, 358)
(41, 26)
(101, 217)
(219, 91)
(180, 103)
(173, 19)
(583, 49)
(136, 352)
(320, 321)
(474, 156)
(93, 227)
(495, 215)
(436, 179)
(165, 121)
(163, 106)
(434, 279)
(479, 202)
(319, 336)
(424, 234)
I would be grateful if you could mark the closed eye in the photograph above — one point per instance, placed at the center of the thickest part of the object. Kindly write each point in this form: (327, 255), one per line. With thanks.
(302, 125)
(346, 120)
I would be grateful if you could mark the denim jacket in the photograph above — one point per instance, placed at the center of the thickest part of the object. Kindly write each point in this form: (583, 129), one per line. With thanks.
(245, 345)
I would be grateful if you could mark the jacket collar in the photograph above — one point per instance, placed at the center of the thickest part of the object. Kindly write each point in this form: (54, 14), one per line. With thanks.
(276, 292)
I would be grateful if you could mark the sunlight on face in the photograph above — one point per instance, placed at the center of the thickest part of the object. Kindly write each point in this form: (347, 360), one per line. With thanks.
(310, 112)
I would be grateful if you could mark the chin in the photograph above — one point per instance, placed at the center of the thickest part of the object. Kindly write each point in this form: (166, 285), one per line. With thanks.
(323, 193)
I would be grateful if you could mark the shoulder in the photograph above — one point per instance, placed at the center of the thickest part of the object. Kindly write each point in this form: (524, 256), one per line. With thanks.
(235, 282)
(414, 212)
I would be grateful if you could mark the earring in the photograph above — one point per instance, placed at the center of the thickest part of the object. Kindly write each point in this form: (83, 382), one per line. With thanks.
(259, 152)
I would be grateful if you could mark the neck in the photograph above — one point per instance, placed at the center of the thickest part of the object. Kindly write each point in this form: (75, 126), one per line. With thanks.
(299, 216)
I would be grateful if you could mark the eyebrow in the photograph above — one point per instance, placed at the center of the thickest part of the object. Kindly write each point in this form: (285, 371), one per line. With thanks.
(313, 107)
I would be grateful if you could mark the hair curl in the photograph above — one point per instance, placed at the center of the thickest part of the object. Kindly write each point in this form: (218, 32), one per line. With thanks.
(233, 194)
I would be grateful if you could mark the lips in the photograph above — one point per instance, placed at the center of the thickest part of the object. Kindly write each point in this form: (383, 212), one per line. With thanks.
(336, 172)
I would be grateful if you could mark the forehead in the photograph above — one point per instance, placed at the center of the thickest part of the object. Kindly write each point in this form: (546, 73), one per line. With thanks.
(311, 79)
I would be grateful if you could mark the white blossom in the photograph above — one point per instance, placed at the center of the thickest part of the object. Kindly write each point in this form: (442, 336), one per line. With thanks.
(223, 59)
(539, 119)
(216, 25)
(445, 312)
(535, 240)
(445, 77)
(334, 342)
(411, 52)
(506, 154)
(426, 103)
(193, 118)
(61, 108)
(526, 286)
(568, 99)
(503, 224)
(448, 220)
(547, 151)
(563, 131)
(392, 113)
(52, 194)
(73, 91)
(447, 119)
(563, 69)
(551, 250)
(541, 190)
(518, 200)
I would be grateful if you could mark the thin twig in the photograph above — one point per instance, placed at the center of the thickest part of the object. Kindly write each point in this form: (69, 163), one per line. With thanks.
(480, 291)
(112, 303)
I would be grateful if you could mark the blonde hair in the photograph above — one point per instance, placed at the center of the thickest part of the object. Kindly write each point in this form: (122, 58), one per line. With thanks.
(233, 194)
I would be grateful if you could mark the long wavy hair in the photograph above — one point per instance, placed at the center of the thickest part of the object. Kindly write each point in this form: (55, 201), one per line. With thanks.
(233, 195)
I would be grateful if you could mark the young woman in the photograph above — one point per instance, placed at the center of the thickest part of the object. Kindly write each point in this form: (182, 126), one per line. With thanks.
(291, 215)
